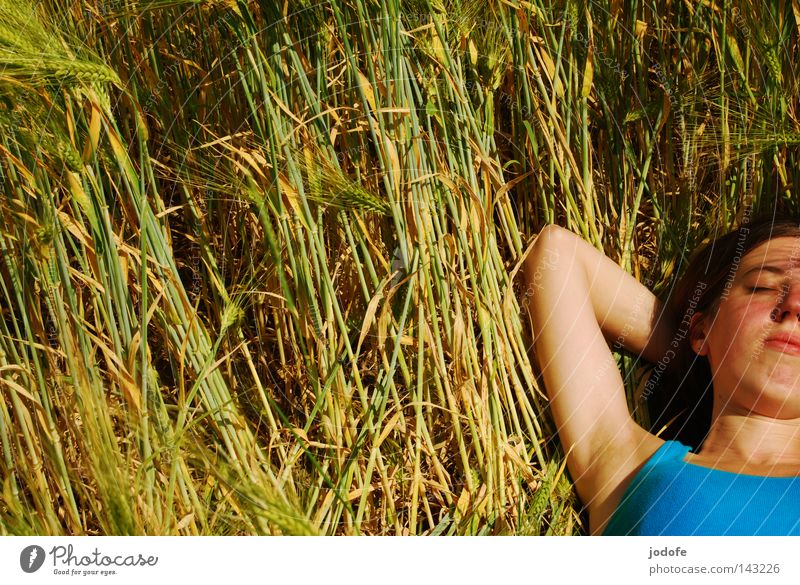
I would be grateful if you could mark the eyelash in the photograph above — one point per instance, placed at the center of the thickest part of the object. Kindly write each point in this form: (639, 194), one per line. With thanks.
(758, 288)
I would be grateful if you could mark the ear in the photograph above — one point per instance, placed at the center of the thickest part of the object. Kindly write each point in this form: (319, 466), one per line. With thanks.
(698, 333)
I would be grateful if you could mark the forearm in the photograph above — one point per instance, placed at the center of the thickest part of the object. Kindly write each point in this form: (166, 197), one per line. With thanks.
(628, 314)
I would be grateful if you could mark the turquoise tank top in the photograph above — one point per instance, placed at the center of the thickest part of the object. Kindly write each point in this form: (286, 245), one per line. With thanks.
(670, 497)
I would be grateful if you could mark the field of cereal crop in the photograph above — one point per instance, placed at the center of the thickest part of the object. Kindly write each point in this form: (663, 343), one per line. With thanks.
(260, 260)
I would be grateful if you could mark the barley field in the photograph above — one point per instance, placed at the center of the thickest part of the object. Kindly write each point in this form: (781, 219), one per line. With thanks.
(260, 261)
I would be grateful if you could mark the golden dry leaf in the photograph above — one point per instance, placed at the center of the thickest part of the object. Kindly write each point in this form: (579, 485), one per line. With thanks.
(459, 341)
(300, 433)
(462, 505)
(94, 135)
(796, 11)
(384, 321)
(70, 120)
(391, 154)
(640, 28)
(588, 71)
(369, 318)
(16, 387)
(549, 66)
(82, 199)
(121, 154)
(290, 195)
(130, 390)
(251, 160)
(438, 49)
(388, 429)
(522, 467)
(184, 522)
(124, 265)
(121, 371)
(550, 70)
(356, 493)
(367, 89)
(616, 9)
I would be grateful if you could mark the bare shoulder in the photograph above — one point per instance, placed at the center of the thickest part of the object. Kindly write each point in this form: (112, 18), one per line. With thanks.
(613, 471)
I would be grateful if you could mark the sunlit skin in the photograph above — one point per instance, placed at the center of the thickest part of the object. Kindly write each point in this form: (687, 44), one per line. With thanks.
(756, 415)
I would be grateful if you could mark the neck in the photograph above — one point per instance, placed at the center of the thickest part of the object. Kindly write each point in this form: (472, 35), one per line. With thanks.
(753, 439)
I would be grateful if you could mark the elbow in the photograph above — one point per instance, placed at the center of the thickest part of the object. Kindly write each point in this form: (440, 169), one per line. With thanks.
(551, 242)
(551, 233)
(545, 254)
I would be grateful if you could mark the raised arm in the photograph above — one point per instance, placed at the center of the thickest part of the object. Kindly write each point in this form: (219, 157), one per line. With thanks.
(576, 299)
(625, 310)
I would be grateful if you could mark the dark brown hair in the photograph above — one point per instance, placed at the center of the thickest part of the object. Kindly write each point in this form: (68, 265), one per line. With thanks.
(679, 392)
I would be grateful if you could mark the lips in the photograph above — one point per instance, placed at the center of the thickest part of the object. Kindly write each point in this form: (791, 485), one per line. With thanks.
(784, 342)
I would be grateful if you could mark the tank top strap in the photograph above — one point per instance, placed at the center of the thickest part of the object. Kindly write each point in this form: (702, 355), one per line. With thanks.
(669, 451)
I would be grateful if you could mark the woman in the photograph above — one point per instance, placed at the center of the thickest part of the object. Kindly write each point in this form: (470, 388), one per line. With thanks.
(732, 325)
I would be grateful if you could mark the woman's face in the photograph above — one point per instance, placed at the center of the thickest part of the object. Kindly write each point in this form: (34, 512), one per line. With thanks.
(755, 370)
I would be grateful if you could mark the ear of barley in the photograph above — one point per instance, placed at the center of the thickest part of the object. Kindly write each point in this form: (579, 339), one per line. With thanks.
(231, 316)
(773, 62)
(541, 501)
(85, 72)
(32, 52)
(71, 158)
(327, 184)
(138, 7)
(349, 196)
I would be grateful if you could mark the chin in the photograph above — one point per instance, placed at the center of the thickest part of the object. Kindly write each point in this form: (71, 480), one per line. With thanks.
(785, 407)
(770, 397)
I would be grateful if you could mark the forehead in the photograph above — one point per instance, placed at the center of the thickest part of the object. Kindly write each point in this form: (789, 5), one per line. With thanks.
(783, 252)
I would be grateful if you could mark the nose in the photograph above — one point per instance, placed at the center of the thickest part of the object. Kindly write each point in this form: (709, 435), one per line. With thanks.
(788, 303)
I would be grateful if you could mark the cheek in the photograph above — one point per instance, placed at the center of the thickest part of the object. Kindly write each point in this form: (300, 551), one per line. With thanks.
(738, 334)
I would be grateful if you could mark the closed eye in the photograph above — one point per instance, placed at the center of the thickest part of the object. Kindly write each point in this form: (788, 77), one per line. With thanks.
(759, 288)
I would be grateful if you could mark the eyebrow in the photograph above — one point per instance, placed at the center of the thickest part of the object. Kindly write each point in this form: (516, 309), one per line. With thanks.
(765, 268)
